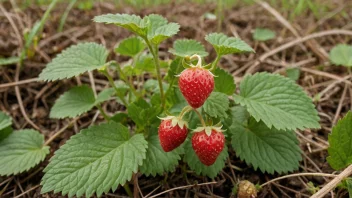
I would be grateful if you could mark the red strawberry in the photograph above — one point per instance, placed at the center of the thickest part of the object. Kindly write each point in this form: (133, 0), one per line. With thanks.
(172, 133)
(196, 84)
(208, 142)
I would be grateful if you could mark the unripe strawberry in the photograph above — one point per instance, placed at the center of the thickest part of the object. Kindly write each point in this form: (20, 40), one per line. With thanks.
(246, 190)
(172, 133)
(208, 142)
(196, 84)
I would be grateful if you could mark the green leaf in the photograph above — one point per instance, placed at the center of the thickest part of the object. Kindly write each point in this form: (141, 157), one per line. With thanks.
(270, 150)
(9, 61)
(293, 73)
(188, 47)
(263, 34)
(224, 82)
(5, 120)
(340, 141)
(278, 101)
(130, 46)
(74, 102)
(216, 105)
(349, 186)
(94, 161)
(238, 118)
(341, 55)
(227, 45)
(158, 161)
(120, 117)
(74, 61)
(21, 151)
(193, 161)
(142, 113)
(4, 133)
(175, 69)
(161, 33)
(146, 64)
(159, 29)
(131, 22)
(104, 95)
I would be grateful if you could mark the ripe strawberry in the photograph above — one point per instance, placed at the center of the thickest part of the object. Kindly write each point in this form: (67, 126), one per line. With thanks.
(172, 133)
(196, 84)
(208, 142)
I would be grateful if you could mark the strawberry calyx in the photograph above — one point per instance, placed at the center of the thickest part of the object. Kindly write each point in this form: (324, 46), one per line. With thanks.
(176, 121)
(209, 129)
(186, 62)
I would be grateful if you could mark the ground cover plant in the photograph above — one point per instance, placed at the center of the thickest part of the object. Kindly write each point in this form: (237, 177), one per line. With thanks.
(178, 117)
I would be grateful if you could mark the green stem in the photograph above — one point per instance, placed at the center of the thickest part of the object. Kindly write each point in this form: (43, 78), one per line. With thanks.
(184, 111)
(200, 117)
(157, 68)
(64, 16)
(128, 190)
(215, 63)
(102, 112)
(124, 78)
(112, 83)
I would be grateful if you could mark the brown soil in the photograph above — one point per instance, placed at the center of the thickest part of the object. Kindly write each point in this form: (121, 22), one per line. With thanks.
(316, 75)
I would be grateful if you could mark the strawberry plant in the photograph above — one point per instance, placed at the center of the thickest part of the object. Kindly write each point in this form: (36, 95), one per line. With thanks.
(187, 110)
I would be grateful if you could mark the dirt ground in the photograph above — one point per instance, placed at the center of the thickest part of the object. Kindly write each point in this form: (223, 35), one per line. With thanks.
(30, 101)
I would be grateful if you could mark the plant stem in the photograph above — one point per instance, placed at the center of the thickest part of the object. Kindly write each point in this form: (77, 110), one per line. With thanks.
(128, 190)
(124, 78)
(102, 112)
(215, 63)
(200, 117)
(184, 111)
(112, 83)
(157, 68)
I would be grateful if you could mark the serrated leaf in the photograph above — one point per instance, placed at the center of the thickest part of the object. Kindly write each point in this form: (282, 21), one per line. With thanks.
(227, 45)
(130, 46)
(5, 120)
(74, 61)
(20, 151)
(158, 161)
(142, 113)
(188, 47)
(263, 34)
(238, 117)
(224, 82)
(161, 33)
(340, 141)
(94, 161)
(270, 150)
(216, 105)
(131, 22)
(293, 73)
(193, 161)
(278, 101)
(74, 102)
(9, 60)
(341, 55)
(145, 63)
(4, 133)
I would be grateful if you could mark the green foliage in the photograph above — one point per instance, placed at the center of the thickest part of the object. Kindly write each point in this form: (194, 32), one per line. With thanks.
(9, 61)
(188, 47)
(74, 61)
(340, 141)
(153, 27)
(5, 120)
(130, 46)
(193, 162)
(341, 55)
(5, 125)
(77, 101)
(94, 161)
(224, 82)
(278, 101)
(158, 161)
(263, 34)
(216, 105)
(227, 45)
(20, 151)
(142, 113)
(270, 150)
(293, 73)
